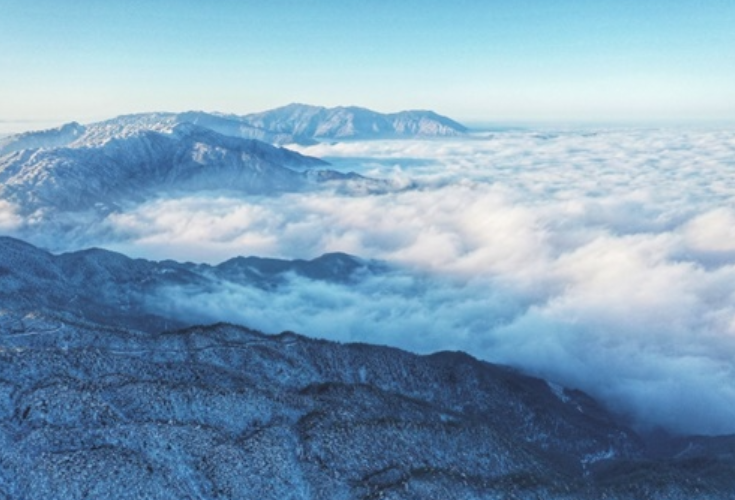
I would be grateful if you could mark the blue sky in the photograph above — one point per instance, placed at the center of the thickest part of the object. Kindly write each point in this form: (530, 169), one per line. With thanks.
(482, 60)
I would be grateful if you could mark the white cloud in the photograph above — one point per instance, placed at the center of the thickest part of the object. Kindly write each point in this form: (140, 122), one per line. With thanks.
(604, 261)
(9, 218)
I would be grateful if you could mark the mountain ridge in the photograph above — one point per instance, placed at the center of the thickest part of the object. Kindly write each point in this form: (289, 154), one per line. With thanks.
(135, 167)
(293, 123)
(103, 286)
(75, 135)
(354, 123)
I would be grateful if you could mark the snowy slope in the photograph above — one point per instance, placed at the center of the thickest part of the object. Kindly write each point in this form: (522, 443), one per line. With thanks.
(74, 135)
(90, 406)
(126, 125)
(225, 412)
(143, 164)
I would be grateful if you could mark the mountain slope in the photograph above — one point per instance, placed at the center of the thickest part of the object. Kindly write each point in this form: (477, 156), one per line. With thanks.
(145, 163)
(74, 135)
(90, 405)
(226, 412)
(109, 288)
(304, 121)
(97, 402)
(227, 125)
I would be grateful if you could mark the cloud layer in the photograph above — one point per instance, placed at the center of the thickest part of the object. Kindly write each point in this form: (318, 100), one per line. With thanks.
(604, 261)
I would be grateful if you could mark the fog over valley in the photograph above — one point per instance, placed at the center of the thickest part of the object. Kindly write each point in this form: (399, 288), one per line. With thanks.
(601, 259)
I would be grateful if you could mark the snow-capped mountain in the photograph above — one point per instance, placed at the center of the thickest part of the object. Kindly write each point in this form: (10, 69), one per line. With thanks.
(145, 163)
(295, 123)
(74, 135)
(316, 122)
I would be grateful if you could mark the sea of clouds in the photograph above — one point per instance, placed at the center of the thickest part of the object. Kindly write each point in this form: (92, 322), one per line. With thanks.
(603, 260)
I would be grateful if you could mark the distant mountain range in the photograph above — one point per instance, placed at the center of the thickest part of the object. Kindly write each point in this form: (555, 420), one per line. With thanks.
(295, 123)
(305, 122)
(98, 399)
(134, 158)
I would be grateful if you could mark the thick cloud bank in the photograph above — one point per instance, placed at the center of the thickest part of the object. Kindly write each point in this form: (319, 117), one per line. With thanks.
(604, 261)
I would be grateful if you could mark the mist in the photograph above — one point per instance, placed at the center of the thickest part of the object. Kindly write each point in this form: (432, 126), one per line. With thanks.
(602, 260)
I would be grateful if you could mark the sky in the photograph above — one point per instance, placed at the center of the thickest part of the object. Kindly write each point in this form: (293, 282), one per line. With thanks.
(476, 61)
